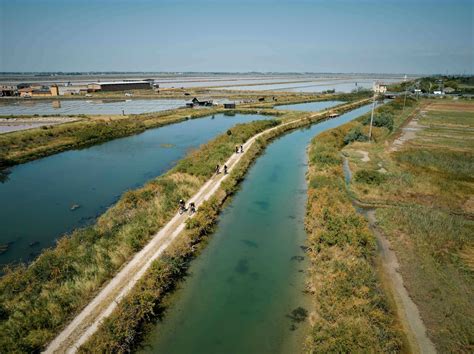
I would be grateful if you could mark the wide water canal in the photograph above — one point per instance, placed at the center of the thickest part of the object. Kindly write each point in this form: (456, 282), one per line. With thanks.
(245, 291)
(37, 197)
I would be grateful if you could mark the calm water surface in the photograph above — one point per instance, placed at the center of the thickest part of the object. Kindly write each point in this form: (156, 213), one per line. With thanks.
(245, 286)
(316, 86)
(37, 197)
(309, 106)
(71, 107)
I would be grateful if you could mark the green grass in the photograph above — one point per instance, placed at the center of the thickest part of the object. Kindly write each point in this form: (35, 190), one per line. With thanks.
(454, 164)
(428, 217)
(27, 145)
(448, 118)
(123, 329)
(22, 146)
(351, 310)
(436, 255)
(35, 301)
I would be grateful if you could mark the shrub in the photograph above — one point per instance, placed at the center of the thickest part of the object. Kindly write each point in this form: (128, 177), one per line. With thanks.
(369, 177)
(381, 120)
(355, 134)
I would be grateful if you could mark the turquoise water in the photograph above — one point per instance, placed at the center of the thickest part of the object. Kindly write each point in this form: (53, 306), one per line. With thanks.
(245, 291)
(37, 197)
(309, 106)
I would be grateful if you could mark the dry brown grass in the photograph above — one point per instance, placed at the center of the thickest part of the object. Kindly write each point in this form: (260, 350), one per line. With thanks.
(429, 187)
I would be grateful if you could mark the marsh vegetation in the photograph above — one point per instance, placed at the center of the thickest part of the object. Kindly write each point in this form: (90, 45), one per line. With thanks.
(425, 186)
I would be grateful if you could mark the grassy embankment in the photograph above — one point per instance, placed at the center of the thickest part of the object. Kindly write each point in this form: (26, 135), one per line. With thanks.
(426, 186)
(37, 300)
(27, 145)
(352, 312)
(124, 328)
(22, 146)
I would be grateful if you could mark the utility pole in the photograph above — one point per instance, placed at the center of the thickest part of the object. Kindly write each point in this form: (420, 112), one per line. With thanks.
(405, 99)
(372, 116)
(406, 89)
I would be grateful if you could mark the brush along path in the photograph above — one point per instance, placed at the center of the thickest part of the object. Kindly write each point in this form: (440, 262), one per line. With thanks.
(406, 308)
(87, 322)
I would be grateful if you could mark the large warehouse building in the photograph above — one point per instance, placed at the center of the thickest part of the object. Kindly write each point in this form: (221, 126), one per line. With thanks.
(118, 86)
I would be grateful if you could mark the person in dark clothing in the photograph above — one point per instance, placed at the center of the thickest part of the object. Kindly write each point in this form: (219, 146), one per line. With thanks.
(217, 170)
(225, 169)
(236, 149)
(241, 148)
(182, 206)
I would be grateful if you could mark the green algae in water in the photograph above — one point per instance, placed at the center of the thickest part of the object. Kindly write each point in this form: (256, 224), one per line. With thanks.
(245, 292)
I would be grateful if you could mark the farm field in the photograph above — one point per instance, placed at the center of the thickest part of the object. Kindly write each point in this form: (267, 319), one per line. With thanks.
(420, 182)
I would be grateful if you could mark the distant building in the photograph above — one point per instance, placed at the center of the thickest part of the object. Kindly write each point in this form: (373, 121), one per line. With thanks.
(229, 105)
(438, 93)
(449, 90)
(54, 90)
(22, 85)
(118, 86)
(8, 90)
(39, 91)
(203, 103)
(379, 88)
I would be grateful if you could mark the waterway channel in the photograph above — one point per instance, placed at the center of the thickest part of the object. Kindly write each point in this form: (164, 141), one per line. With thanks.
(37, 197)
(245, 291)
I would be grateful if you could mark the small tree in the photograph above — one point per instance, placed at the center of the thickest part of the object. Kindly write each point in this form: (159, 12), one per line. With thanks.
(381, 120)
(355, 134)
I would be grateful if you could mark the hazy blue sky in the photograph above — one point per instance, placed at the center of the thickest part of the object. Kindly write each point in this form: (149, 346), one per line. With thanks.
(405, 36)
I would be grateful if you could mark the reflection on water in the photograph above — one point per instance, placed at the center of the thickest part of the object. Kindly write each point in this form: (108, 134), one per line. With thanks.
(245, 291)
(71, 107)
(39, 199)
(317, 86)
(309, 106)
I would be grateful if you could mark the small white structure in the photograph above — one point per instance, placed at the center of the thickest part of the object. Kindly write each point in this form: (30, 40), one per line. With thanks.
(379, 88)
(438, 92)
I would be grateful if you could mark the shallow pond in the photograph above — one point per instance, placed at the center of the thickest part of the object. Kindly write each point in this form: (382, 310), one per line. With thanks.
(309, 106)
(73, 107)
(37, 197)
(317, 85)
(245, 291)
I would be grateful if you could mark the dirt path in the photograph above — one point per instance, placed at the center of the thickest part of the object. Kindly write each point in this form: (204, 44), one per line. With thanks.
(409, 129)
(86, 323)
(407, 309)
(89, 320)
(365, 155)
(9, 125)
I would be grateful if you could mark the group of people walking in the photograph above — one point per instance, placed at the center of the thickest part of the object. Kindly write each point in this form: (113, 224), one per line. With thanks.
(182, 207)
(192, 206)
(218, 169)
